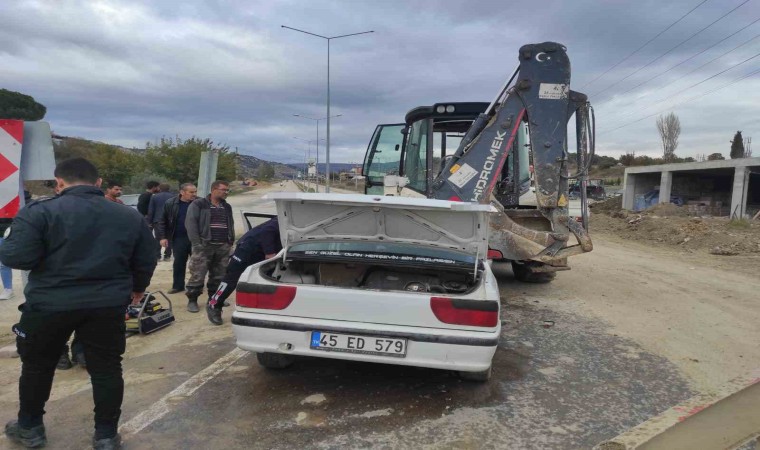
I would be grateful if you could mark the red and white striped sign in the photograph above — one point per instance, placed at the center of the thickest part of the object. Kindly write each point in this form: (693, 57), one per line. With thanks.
(11, 139)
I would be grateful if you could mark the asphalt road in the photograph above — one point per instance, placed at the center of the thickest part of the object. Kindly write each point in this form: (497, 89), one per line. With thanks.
(570, 385)
(562, 380)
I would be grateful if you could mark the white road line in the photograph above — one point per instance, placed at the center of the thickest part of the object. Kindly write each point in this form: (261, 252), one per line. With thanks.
(186, 389)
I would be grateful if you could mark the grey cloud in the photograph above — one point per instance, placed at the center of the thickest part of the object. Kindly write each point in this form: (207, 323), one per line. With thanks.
(226, 70)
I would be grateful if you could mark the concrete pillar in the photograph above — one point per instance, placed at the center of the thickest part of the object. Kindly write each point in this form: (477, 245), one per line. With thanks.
(739, 192)
(629, 191)
(666, 182)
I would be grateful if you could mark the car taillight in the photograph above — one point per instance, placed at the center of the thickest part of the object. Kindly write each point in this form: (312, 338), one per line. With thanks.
(264, 296)
(477, 313)
(494, 254)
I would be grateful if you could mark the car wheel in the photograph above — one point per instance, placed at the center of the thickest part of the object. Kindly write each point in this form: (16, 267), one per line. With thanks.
(275, 361)
(482, 376)
(522, 273)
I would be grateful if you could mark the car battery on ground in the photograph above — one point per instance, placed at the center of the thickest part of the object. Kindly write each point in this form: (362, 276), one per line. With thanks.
(150, 314)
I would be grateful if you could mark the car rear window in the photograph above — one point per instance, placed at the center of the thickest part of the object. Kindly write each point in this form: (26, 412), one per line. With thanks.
(394, 253)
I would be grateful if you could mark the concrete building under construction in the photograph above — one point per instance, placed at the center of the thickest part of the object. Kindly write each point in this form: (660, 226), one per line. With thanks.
(718, 188)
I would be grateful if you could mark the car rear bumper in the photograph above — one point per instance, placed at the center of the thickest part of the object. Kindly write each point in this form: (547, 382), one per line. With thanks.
(468, 351)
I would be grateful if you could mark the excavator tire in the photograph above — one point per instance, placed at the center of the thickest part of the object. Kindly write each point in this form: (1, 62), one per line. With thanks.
(275, 361)
(526, 276)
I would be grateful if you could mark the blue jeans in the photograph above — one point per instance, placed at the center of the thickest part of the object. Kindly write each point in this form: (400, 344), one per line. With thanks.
(6, 273)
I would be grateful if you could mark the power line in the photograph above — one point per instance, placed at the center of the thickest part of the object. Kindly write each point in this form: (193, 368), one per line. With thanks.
(662, 55)
(706, 79)
(646, 43)
(684, 101)
(689, 59)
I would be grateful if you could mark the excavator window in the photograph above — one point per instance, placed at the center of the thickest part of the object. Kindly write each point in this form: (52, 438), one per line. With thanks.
(415, 158)
(444, 144)
(383, 156)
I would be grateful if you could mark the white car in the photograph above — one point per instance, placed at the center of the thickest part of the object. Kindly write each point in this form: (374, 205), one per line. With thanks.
(378, 279)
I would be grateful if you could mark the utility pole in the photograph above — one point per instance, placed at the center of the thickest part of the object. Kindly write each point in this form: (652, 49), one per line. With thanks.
(207, 172)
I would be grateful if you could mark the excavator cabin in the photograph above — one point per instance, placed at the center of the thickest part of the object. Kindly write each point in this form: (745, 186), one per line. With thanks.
(420, 147)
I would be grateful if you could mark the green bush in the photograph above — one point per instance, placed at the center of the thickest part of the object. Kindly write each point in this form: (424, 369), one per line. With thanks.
(739, 223)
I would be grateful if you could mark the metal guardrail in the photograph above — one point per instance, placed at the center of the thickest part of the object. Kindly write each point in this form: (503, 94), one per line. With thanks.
(728, 418)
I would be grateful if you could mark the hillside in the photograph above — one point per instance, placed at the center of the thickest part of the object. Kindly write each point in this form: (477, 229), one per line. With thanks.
(248, 167)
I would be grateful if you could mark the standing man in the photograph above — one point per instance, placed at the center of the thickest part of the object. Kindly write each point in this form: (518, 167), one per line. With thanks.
(144, 199)
(259, 243)
(171, 232)
(113, 192)
(155, 210)
(88, 258)
(211, 231)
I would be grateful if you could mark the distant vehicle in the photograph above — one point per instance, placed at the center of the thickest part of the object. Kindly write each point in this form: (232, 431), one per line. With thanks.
(344, 289)
(130, 200)
(594, 190)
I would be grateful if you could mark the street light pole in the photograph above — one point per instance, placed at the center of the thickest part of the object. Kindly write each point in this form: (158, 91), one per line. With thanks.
(327, 160)
(306, 155)
(327, 187)
(308, 143)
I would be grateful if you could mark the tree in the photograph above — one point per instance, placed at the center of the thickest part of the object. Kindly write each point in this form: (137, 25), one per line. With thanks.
(603, 162)
(15, 105)
(670, 128)
(115, 164)
(266, 171)
(628, 159)
(715, 157)
(737, 146)
(72, 148)
(179, 160)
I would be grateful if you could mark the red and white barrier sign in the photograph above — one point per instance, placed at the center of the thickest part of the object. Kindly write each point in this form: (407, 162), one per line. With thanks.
(11, 139)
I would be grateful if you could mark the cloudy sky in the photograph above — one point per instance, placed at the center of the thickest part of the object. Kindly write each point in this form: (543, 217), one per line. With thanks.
(130, 71)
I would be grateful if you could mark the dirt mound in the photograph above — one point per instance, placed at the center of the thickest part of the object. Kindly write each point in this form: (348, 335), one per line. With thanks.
(715, 235)
(607, 206)
(667, 210)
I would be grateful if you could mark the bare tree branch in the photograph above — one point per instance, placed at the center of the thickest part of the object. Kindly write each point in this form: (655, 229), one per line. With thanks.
(669, 128)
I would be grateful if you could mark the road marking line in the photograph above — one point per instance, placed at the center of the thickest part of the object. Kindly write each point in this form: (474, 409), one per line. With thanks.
(186, 389)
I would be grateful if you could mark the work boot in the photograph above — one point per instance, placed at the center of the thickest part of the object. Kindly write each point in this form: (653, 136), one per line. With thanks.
(174, 291)
(192, 293)
(214, 315)
(28, 437)
(112, 443)
(64, 363)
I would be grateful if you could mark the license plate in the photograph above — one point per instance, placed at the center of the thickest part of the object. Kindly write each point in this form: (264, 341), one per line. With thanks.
(366, 345)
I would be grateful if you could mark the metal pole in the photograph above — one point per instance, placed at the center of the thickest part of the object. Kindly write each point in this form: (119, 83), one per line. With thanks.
(327, 157)
(316, 168)
(207, 172)
(328, 39)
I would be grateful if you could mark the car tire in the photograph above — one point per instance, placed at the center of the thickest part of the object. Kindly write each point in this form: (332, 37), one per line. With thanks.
(479, 377)
(526, 276)
(275, 361)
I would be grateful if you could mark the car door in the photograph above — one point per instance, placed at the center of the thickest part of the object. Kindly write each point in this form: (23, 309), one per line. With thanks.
(383, 156)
